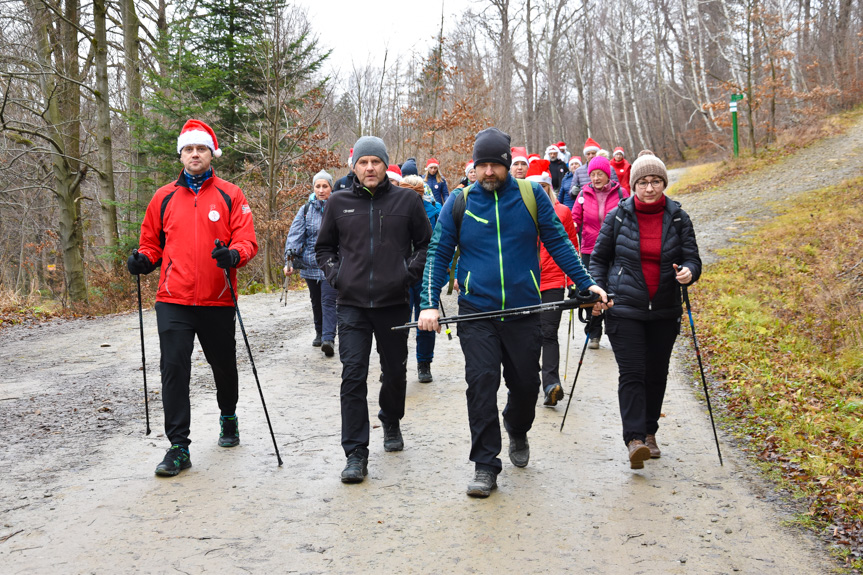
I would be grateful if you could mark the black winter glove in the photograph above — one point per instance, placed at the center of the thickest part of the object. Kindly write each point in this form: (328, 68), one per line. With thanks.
(138, 264)
(571, 292)
(225, 258)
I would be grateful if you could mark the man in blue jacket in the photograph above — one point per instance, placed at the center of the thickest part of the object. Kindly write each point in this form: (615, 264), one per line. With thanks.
(498, 269)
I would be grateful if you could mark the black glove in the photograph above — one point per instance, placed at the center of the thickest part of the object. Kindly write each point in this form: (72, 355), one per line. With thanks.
(138, 264)
(225, 258)
(571, 292)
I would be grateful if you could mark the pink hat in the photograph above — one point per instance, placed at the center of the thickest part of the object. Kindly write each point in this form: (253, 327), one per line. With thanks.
(599, 163)
(539, 172)
(468, 167)
(591, 146)
(432, 162)
(618, 149)
(394, 172)
(519, 155)
(196, 132)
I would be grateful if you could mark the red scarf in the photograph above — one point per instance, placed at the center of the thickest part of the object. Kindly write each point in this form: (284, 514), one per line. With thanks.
(650, 232)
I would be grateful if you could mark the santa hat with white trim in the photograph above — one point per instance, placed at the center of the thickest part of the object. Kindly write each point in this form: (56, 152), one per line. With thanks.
(351, 158)
(196, 132)
(532, 158)
(519, 155)
(394, 173)
(432, 162)
(468, 167)
(550, 149)
(618, 149)
(539, 172)
(591, 146)
(576, 159)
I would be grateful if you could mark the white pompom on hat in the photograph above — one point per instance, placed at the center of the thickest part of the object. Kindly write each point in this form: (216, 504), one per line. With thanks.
(196, 132)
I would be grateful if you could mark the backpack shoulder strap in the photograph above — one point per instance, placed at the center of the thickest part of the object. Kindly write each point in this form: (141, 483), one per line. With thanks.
(459, 207)
(529, 199)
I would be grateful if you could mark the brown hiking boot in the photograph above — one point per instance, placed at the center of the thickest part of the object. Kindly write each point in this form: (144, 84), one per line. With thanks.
(638, 454)
(650, 442)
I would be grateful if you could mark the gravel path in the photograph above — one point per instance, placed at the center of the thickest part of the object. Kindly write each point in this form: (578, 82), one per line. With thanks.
(79, 495)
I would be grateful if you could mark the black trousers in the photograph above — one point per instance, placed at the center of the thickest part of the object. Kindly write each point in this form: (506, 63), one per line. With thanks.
(356, 327)
(550, 323)
(488, 344)
(596, 327)
(642, 350)
(215, 328)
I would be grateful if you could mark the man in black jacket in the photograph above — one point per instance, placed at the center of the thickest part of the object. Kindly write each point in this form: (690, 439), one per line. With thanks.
(372, 248)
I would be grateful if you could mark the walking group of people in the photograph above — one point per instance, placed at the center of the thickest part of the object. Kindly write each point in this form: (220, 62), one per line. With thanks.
(377, 246)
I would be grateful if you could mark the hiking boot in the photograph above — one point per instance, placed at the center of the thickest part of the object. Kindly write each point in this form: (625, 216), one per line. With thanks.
(230, 431)
(593, 343)
(638, 454)
(393, 437)
(328, 347)
(553, 394)
(650, 442)
(483, 483)
(424, 372)
(176, 460)
(317, 341)
(519, 450)
(356, 468)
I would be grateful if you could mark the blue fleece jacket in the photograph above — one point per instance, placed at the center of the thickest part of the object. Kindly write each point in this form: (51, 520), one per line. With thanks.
(499, 263)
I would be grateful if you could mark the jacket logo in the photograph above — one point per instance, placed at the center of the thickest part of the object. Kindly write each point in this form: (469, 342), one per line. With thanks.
(246, 209)
(505, 156)
(348, 211)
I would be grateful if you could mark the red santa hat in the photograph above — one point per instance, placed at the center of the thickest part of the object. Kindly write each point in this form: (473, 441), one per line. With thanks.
(576, 159)
(591, 146)
(562, 145)
(394, 173)
(618, 149)
(468, 167)
(539, 172)
(351, 157)
(519, 155)
(196, 132)
(533, 157)
(552, 148)
(432, 162)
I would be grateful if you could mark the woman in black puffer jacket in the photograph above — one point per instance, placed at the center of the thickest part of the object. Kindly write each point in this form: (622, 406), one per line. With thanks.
(646, 250)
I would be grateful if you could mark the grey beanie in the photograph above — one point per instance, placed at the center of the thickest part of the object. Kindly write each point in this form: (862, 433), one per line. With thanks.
(648, 165)
(322, 175)
(371, 146)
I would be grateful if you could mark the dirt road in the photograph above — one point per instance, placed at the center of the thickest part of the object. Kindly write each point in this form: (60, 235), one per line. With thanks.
(80, 496)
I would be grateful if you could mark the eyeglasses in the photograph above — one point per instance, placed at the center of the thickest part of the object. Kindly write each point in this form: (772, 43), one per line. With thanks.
(655, 184)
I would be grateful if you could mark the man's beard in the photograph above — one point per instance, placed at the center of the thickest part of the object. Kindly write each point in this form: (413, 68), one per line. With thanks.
(491, 183)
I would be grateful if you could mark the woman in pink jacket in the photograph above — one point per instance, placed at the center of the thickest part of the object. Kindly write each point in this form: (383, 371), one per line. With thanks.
(593, 203)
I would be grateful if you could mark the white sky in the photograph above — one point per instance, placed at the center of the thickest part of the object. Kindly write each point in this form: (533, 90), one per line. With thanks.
(360, 31)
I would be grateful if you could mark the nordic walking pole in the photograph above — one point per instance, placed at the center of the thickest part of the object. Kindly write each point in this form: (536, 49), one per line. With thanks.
(701, 369)
(252, 361)
(443, 313)
(568, 339)
(574, 379)
(143, 355)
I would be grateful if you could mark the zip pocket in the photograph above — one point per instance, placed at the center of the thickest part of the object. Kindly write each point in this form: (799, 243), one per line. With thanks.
(536, 285)
(168, 276)
(477, 218)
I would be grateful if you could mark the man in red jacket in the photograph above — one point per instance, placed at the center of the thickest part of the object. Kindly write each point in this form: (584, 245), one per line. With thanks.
(182, 222)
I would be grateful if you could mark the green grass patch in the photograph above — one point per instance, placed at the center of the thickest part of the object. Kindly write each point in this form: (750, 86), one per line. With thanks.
(783, 334)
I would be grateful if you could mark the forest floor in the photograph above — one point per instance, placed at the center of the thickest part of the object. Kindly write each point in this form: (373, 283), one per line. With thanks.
(79, 494)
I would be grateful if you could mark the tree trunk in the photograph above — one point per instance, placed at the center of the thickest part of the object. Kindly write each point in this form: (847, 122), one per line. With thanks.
(134, 105)
(103, 129)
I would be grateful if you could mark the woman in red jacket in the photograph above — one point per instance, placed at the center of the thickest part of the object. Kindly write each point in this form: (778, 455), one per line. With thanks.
(552, 284)
(593, 203)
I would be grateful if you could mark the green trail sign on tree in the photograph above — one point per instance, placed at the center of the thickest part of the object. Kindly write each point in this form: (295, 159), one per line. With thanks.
(733, 109)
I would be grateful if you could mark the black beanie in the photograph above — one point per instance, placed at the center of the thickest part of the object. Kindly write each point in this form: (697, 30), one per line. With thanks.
(492, 145)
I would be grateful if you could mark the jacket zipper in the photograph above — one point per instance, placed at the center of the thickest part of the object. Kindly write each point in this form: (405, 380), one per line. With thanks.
(195, 299)
(499, 255)
(372, 248)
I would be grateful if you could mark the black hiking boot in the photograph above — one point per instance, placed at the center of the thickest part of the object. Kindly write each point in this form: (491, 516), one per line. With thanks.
(328, 347)
(519, 450)
(393, 437)
(176, 460)
(230, 431)
(357, 466)
(553, 394)
(317, 341)
(424, 372)
(484, 481)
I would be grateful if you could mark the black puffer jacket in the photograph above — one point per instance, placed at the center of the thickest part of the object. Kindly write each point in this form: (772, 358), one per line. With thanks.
(616, 265)
(372, 247)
